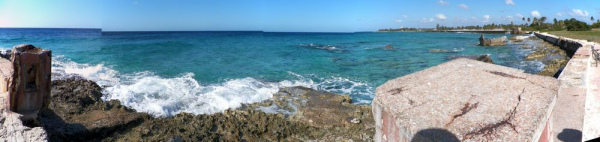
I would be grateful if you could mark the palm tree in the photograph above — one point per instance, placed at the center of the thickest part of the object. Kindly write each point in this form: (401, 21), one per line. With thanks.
(592, 18)
(543, 19)
(555, 21)
(528, 19)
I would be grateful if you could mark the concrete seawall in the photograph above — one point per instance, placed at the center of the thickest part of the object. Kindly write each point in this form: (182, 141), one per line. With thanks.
(577, 113)
(569, 45)
(466, 100)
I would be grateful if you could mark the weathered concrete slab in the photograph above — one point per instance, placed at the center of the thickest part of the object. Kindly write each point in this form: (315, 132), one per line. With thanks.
(465, 100)
(591, 127)
(569, 112)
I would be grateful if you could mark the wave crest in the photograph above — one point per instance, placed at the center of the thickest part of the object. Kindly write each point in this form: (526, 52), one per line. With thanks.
(164, 97)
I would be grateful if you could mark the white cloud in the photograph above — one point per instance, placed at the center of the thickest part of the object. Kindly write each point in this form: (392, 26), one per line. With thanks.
(442, 2)
(427, 20)
(535, 13)
(509, 2)
(463, 6)
(579, 12)
(440, 16)
(519, 15)
(559, 14)
(508, 18)
(486, 18)
(404, 16)
(398, 21)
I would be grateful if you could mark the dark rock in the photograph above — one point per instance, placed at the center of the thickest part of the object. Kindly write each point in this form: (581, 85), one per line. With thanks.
(553, 57)
(5, 55)
(24, 47)
(389, 47)
(484, 58)
(319, 116)
(73, 95)
(77, 113)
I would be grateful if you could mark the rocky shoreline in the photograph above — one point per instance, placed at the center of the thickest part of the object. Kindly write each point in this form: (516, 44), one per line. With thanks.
(553, 57)
(77, 113)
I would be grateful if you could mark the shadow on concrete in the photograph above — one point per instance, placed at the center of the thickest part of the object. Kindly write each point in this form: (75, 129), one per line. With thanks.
(570, 135)
(434, 135)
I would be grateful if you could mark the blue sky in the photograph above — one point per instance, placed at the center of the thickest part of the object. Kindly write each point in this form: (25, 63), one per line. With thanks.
(281, 15)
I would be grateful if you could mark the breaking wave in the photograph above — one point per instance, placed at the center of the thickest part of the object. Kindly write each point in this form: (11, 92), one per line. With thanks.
(164, 97)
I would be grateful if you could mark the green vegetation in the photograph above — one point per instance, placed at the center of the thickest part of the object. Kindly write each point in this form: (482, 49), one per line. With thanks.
(535, 24)
(557, 25)
(593, 35)
(575, 25)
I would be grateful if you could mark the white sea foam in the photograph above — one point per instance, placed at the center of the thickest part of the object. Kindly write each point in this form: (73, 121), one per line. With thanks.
(64, 67)
(164, 97)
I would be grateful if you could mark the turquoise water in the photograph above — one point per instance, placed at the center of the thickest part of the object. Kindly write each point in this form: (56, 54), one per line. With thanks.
(165, 73)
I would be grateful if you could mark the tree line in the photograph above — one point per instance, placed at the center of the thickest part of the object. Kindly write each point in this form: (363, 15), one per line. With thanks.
(537, 24)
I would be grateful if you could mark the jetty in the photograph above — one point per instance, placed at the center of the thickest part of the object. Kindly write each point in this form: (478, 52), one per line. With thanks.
(467, 100)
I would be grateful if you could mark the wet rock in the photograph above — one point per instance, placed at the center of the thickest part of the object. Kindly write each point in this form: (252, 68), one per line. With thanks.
(389, 47)
(484, 58)
(77, 113)
(553, 57)
(304, 115)
(73, 95)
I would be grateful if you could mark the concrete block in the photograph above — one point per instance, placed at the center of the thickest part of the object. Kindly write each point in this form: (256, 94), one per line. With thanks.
(492, 41)
(465, 100)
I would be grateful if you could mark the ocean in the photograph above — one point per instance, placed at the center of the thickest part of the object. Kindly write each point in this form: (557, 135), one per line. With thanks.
(165, 73)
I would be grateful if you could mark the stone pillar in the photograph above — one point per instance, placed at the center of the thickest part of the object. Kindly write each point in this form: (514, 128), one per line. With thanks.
(482, 40)
(516, 31)
(465, 100)
(29, 80)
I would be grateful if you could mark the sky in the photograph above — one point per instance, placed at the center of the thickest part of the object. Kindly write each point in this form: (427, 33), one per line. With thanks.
(282, 15)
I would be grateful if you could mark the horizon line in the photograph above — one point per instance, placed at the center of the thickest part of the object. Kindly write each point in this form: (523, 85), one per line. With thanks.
(157, 31)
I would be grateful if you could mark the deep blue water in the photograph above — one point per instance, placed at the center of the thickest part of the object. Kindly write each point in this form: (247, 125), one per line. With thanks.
(165, 73)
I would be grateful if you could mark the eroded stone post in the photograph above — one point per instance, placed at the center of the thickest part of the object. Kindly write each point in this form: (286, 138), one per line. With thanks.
(28, 83)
